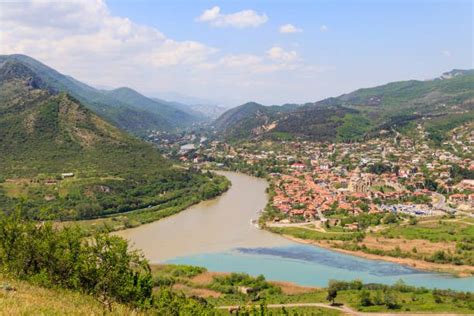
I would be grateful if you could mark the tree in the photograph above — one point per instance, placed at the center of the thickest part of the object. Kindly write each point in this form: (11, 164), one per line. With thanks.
(390, 300)
(118, 274)
(390, 218)
(364, 298)
(332, 292)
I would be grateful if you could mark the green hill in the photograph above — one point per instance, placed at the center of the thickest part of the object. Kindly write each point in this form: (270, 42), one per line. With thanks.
(44, 134)
(123, 107)
(444, 101)
(250, 119)
(176, 115)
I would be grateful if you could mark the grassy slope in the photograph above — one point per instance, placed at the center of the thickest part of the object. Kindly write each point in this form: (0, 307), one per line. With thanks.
(41, 132)
(43, 135)
(29, 299)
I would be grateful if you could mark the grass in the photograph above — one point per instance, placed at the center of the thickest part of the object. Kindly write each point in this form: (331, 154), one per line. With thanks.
(294, 311)
(434, 231)
(31, 299)
(410, 301)
(314, 235)
(28, 299)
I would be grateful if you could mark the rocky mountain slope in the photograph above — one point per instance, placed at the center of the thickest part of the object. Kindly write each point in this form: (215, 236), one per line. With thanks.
(123, 107)
(358, 114)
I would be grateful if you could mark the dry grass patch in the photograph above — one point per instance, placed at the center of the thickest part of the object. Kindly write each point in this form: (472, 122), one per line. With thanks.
(201, 292)
(27, 299)
(292, 289)
(422, 246)
(206, 278)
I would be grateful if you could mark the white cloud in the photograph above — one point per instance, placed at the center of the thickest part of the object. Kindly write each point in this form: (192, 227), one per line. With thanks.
(277, 53)
(85, 40)
(86, 33)
(210, 14)
(323, 28)
(243, 60)
(241, 19)
(289, 28)
(446, 53)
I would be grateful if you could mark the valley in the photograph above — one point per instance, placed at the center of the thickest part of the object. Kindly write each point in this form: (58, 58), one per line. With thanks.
(314, 195)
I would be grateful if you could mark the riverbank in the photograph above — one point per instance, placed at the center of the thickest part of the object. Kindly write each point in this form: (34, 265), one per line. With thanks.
(135, 218)
(216, 225)
(232, 291)
(459, 271)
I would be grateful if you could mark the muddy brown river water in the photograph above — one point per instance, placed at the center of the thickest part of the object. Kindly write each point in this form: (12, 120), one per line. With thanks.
(210, 226)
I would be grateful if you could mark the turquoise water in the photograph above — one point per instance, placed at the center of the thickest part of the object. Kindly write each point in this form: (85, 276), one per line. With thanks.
(313, 266)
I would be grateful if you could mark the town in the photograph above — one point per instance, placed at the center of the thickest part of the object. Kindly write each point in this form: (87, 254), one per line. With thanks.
(388, 173)
(396, 196)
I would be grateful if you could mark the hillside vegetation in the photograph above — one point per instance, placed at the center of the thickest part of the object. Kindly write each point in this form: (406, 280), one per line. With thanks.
(44, 135)
(57, 271)
(441, 104)
(124, 107)
(98, 265)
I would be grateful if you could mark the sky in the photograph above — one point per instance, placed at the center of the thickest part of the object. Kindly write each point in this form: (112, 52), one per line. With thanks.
(231, 52)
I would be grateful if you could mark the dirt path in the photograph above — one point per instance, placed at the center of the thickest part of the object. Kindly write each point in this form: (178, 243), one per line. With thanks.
(344, 309)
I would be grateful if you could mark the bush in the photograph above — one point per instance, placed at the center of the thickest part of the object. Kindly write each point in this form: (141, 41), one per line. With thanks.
(390, 300)
(100, 265)
(364, 297)
(229, 284)
(187, 271)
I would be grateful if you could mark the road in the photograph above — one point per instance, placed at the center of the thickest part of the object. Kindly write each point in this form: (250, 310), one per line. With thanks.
(441, 204)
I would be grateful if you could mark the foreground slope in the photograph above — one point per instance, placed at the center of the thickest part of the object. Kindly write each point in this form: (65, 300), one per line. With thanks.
(23, 298)
(444, 101)
(44, 135)
(130, 111)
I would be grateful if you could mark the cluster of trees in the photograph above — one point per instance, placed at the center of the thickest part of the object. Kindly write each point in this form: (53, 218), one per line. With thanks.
(230, 284)
(390, 295)
(363, 220)
(379, 168)
(98, 265)
(458, 173)
(91, 198)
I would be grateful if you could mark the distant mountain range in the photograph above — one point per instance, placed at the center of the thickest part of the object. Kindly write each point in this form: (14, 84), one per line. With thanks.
(124, 107)
(353, 116)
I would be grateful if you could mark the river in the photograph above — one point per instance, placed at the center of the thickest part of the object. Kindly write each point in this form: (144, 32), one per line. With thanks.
(218, 235)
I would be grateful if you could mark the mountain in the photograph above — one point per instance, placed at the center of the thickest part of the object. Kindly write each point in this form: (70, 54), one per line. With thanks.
(39, 128)
(171, 114)
(359, 114)
(123, 107)
(199, 110)
(69, 163)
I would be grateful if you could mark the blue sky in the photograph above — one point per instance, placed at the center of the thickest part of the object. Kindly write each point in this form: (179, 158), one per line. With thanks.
(231, 58)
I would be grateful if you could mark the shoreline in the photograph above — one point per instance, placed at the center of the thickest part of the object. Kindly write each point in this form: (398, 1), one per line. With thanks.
(104, 221)
(459, 271)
